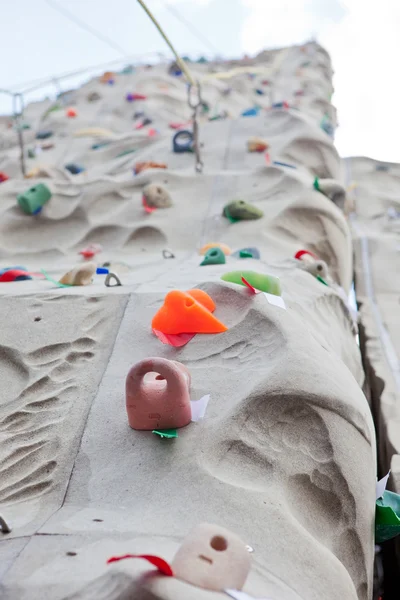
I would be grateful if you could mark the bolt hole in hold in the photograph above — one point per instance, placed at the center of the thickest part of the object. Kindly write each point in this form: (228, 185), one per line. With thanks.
(218, 543)
(160, 378)
(213, 253)
(98, 520)
(37, 318)
(319, 267)
(71, 553)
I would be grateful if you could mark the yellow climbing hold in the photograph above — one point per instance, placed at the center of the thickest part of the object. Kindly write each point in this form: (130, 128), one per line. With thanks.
(94, 132)
(225, 249)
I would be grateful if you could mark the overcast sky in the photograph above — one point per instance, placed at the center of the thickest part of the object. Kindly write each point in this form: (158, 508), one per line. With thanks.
(362, 37)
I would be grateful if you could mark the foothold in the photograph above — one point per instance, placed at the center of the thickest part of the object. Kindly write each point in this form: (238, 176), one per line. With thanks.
(183, 141)
(79, 275)
(146, 121)
(174, 69)
(251, 112)
(47, 146)
(4, 526)
(212, 558)
(99, 145)
(183, 313)
(239, 210)
(71, 113)
(138, 115)
(43, 135)
(14, 274)
(256, 144)
(332, 189)
(93, 97)
(247, 253)
(384, 168)
(259, 92)
(177, 125)
(73, 168)
(31, 153)
(91, 250)
(387, 517)
(107, 76)
(3, 177)
(280, 105)
(214, 256)
(167, 253)
(283, 164)
(102, 271)
(157, 395)
(133, 97)
(112, 277)
(225, 249)
(260, 281)
(156, 196)
(143, 166)
(32, 201)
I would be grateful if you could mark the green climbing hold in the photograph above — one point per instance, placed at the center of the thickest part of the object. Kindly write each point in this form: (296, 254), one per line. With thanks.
(265, 283)
(32, 201)
(316, 184)
(214, 256)
(239, 210)
(166, 433)
(387, 517)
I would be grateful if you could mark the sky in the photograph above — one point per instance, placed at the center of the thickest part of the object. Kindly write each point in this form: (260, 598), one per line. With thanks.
(361, 36)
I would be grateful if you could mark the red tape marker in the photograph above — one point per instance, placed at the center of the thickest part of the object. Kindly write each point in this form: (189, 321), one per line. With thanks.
(253, 290)
(174, 339)
(301, 253)
(156, 561)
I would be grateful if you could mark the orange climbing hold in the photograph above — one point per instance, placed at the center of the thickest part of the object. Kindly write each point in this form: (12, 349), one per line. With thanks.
(184, 312)
(225, 249)
(203, 298)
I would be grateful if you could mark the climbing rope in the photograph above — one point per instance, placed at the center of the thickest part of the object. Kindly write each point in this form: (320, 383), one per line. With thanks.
(194, 92)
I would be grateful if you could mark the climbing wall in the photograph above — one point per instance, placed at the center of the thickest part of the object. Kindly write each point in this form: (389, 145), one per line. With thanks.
(285, 454)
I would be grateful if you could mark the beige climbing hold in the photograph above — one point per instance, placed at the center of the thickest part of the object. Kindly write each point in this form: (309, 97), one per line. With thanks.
(256, 144)
(317, 267)
(333, 190)
(156, 196)
(80, 275)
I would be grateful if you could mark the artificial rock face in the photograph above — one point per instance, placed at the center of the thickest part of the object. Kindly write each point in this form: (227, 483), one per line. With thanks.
(284, 457)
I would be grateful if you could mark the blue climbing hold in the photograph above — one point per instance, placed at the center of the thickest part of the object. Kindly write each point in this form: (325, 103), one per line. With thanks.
(251, 112)
(74, 168)
(183, 141)
(102, 271)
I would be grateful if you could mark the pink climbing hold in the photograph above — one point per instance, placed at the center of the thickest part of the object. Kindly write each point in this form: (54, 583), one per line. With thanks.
(157, 395)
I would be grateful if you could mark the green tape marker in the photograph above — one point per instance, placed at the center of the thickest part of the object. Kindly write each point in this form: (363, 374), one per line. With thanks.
(166, 433)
